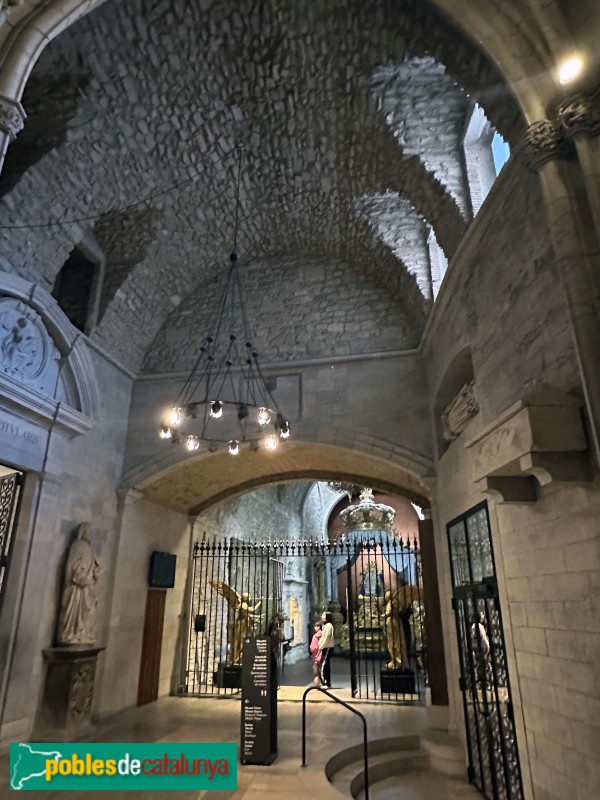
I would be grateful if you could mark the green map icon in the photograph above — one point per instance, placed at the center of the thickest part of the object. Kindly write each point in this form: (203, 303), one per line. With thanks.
(28, 766)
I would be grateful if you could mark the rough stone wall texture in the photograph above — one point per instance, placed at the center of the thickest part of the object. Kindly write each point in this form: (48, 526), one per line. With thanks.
(88, 470)
(299, 308)
(272, 512)
(509, 309)
(290, 81)
(144, 527)
(401, 228)
(426, 111)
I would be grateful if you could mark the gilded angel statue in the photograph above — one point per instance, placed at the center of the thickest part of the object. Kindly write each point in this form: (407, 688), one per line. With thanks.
(245, 616)
(395, 602)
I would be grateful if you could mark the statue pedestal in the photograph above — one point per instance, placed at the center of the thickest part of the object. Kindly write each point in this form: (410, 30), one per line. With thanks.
(397, 681)
(228, 676)
(65, 709)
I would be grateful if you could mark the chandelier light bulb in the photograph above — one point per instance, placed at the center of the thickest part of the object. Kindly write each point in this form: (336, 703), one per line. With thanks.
(192, 443)
(234, 447)
(165, 432)
(271, 442)
(216, 409)
(284, 427)
(174, 417)
(263, 416)
(570, 69)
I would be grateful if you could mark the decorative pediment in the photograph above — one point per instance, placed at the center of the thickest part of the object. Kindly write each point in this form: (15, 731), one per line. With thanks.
(27, 352)
(46, 372)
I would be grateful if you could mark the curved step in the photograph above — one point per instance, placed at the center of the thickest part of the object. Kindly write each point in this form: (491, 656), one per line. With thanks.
(422, 786)
(446, 753)
(388, 757)
(382, 768)
(354, 754)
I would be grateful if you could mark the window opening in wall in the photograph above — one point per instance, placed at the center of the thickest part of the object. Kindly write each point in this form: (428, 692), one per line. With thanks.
(76, 288)
(493, 756)
(11, 485)
(500, 152)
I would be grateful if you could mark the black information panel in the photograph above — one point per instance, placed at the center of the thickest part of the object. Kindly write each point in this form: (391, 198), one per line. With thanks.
(259, 703)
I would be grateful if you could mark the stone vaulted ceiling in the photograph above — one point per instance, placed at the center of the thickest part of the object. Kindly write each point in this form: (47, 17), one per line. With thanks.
(351, 114)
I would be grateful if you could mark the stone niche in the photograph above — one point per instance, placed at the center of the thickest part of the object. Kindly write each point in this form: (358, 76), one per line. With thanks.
(537, 441)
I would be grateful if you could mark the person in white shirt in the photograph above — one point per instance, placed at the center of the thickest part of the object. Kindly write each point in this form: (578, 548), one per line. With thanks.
(326, 644)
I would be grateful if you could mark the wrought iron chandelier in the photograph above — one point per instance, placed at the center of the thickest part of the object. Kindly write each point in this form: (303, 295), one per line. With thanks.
(225, 400)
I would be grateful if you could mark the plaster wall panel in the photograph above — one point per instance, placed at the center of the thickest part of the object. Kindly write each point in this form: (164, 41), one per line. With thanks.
(144, 527)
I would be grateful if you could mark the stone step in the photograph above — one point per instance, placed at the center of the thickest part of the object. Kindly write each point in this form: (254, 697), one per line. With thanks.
(387, 757)
(446, 753)
(421, 786)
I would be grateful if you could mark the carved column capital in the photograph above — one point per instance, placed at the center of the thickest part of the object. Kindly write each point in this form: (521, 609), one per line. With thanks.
(544, 141)
(12, 117)
(579, 114)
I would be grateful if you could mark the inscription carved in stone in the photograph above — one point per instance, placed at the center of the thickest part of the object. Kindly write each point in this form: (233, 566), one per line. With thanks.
(458, 413)
(27, 352)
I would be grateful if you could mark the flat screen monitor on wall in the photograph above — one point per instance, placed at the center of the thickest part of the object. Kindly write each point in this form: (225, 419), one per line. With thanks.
(162, 570)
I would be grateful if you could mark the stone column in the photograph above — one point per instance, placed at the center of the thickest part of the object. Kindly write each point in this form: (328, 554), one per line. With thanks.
(433, 616)
(12, 118)
(547, 151)
(579, 117)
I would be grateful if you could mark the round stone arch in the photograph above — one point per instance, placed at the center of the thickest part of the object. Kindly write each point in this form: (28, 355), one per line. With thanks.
(29, 28)
(193, 484)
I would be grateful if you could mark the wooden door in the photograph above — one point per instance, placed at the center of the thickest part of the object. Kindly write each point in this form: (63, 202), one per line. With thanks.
(151, 646)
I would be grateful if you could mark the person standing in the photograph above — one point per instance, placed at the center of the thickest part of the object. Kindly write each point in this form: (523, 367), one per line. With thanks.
(326, 645)
(316, 654)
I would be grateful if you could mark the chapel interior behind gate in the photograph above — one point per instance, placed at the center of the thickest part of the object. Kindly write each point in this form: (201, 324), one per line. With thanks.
(413, 188)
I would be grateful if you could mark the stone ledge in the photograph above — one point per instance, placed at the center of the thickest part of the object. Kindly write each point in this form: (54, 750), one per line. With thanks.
(539, 439)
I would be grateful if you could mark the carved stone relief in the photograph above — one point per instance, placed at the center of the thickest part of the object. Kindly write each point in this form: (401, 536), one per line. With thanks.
(579, 114)
(27, 352)
(458, 413)
(544, 141)
(82, 692)
(12, 115)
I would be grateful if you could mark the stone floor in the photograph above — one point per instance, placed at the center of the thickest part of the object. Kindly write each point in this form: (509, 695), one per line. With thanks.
(330, 727)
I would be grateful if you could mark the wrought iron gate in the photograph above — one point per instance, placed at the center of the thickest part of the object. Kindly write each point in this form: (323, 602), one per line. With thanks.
(10, 493)
(378, 613)
(493, 756)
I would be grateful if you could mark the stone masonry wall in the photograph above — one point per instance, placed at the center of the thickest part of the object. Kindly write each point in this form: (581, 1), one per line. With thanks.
(509, 308)
(307, 308)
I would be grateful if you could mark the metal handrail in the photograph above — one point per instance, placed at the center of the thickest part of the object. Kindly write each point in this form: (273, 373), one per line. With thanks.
(354, 711)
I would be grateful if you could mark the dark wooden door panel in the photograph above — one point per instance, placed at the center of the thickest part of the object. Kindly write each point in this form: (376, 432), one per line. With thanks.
(151, 646)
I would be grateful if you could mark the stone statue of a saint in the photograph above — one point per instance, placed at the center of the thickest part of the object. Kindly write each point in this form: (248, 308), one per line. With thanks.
(77, 622)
